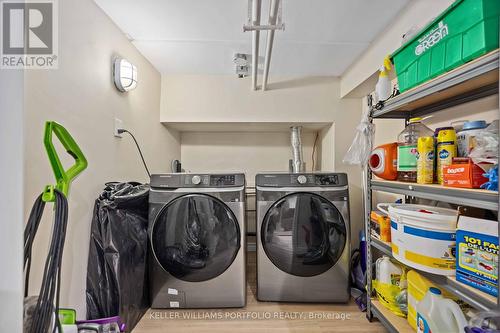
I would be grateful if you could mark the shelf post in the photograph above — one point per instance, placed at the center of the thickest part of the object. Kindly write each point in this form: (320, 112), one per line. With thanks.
(367, 203)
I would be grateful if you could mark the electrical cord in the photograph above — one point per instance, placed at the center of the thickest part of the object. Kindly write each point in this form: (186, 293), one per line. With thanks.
(313, 157)
(47, 305)
(122, 130)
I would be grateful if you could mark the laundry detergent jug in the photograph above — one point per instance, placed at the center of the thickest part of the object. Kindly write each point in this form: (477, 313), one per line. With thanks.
(383, 161)
(438, 314)
(387, 272)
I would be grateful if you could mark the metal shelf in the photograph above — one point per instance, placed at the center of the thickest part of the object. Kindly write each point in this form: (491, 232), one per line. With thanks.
(473, 80)
(459, 196)
(474, 297)
(391, 322)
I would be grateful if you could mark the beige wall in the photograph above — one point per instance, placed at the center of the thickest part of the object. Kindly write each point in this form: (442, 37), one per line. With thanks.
(11, 200)
(81, 96)
(225, 98)
(202, 100)
(250, 152)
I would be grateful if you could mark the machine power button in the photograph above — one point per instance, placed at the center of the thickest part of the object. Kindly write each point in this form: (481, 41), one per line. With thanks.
(196, 180)
(302, 179)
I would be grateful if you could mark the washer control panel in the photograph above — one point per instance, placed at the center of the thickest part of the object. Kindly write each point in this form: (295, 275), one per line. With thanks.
(196, 180)
(222, 180)
(327, 180)
(301, 179)
(177, 180)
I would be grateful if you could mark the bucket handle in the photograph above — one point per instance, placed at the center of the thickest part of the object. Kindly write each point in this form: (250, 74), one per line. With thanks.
(380, 205)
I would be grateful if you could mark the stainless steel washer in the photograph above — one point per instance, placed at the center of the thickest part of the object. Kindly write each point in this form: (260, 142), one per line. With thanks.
(303, 237)
(197, 239)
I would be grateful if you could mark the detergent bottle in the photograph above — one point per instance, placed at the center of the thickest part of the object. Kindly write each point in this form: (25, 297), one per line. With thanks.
(383, 161)
(438, 314)
(387, 272)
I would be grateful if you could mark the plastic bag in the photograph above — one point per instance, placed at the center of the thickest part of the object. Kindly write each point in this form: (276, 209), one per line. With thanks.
(117, 274)
(361, 147)
(486, 145)
(393, 296)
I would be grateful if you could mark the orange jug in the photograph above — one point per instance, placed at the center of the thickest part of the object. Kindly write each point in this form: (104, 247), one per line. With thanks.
(383, 161)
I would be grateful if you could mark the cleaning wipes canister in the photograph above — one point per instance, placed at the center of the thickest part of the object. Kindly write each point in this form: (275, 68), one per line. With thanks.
(446, 149)
(415, 225)
(477, 254)
(425, 160)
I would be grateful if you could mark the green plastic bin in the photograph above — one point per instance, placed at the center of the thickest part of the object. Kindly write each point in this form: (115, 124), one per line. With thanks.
(466, 30)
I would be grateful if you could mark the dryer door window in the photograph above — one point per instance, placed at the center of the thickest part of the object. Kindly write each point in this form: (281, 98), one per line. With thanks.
(303, 234)
(195, 237)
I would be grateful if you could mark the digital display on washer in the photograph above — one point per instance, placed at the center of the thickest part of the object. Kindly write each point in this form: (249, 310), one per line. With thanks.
(327, 179)
(218, 180)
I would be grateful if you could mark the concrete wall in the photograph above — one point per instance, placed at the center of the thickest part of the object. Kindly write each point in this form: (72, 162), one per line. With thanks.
(81, 96)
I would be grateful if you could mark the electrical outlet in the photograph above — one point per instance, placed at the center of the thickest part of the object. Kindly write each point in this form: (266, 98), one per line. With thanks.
(118, 125)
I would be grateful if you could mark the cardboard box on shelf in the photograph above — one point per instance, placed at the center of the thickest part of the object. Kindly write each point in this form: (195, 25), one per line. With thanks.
(465, 173)
(380, 226)
(477, 253)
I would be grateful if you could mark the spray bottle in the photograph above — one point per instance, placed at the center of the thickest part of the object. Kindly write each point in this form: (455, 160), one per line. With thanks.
(384, 87)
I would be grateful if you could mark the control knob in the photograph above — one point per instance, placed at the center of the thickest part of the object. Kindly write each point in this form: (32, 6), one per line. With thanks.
(196, 180)
(302, 179)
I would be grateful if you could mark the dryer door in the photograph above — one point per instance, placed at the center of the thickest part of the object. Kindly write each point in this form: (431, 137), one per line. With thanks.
(303, 234)
(195, 237)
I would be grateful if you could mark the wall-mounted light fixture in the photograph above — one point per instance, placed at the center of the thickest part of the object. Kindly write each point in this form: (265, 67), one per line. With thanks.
(125, 75)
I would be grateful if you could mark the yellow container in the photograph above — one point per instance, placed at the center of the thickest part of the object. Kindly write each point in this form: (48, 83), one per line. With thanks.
(425, 160)
(417, 287)
(446, 149)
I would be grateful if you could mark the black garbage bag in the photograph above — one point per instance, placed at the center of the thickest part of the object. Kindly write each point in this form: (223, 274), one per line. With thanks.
(117, 274)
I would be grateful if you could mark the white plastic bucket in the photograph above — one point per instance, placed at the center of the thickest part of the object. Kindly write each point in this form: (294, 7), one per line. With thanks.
(423, 237)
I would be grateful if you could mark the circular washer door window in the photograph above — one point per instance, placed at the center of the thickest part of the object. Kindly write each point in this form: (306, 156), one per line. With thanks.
(195, 237)
(303, 234)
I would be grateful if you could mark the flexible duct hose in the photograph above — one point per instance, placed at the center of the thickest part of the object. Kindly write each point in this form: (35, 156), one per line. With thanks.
(297, 155)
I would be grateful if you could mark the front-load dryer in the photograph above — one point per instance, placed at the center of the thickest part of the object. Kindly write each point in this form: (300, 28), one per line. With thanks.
(196, 231)
(303, 237)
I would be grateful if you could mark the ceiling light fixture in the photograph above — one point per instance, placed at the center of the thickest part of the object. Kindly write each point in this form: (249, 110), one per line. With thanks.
(124, 74)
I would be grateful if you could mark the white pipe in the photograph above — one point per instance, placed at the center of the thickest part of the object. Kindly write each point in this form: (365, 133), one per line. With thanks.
(256, 9)
(273, 16)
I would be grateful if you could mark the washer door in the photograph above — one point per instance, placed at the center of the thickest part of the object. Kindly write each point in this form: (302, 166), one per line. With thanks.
(195, 237)
(303, 234)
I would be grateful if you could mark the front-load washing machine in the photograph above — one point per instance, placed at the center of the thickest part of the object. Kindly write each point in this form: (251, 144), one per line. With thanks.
(197, 239)
(303, 237)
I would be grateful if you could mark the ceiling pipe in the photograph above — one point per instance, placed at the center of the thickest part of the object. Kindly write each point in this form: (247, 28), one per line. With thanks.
(273, 16)
(256, 9)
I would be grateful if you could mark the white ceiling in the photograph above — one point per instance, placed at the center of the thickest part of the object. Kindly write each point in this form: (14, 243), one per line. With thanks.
(322, 37)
